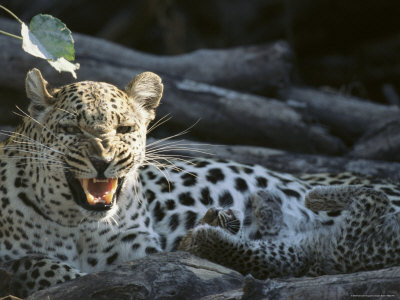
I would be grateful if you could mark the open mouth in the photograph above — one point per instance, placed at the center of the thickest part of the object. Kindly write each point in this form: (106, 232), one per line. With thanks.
(99, 191)
(94, 193)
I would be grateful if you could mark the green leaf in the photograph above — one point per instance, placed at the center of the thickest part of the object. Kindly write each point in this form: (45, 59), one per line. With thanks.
(53, 35)
(50, 39)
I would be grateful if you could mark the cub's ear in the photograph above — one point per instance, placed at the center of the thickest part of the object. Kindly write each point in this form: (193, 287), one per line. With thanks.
(146, 88)
(36, 90)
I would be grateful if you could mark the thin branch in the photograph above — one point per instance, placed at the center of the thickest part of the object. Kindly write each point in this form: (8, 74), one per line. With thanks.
(12, 14)
(10, 34)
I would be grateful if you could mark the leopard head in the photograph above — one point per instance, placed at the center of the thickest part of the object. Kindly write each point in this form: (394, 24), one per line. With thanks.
(96, 134)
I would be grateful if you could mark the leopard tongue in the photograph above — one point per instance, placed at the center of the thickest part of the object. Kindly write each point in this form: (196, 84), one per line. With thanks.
(99, 190)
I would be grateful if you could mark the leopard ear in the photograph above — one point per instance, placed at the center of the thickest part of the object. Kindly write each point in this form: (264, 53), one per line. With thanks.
(146, 88)
(37, 92)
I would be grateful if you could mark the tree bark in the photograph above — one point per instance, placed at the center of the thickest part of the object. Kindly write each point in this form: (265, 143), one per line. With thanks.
(308, 121)
(174, 275)
(226, 116)
(179, 275)
(363, 285)
(344, 116)
(380, 142)
(263, 68)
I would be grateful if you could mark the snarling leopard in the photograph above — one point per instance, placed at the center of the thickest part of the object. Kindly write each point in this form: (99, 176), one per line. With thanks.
(81, 191)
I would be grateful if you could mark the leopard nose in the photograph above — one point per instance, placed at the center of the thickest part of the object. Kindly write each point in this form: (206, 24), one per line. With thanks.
(100, 165)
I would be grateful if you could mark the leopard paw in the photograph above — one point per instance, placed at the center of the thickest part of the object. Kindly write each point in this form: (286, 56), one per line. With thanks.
(227, 219)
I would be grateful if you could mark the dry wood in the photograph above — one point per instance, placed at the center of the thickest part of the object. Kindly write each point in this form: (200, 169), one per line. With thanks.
(372, 129)
(309, 121)
(347, 286)
(179, 275)
(250, 68)
(226, 116)
(380, 284)
(174, 275)
(381, 142)
(347, 117)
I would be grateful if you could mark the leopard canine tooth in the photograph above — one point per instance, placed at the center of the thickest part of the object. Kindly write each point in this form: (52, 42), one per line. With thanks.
(84, 183)
(89, 197)
(107, 198)
(110, 195)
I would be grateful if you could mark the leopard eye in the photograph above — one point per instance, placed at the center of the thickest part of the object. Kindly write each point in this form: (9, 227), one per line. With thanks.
(126, 129)
(70, 129)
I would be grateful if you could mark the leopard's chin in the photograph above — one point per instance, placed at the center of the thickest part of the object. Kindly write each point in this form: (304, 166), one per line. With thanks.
(95, 194)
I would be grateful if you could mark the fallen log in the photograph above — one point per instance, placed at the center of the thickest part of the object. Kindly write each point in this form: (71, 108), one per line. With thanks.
(344, 116)
(231, 117)
(308, 121)
(381, 142)
(371, 130)
(179, 275)
(380, 283)
(174, 275)
(262, 68)
(226, 116)
(363, 285)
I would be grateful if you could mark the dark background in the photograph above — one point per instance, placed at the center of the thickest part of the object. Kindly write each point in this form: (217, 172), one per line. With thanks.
(351, 46)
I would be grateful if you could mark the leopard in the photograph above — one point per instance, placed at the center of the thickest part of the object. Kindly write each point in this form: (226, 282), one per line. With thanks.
(368, 238)
(81, 191)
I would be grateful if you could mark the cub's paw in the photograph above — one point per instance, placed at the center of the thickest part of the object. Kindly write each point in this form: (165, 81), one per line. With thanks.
(227, 219)
(266, 207)
(206, 241)
(216, 228)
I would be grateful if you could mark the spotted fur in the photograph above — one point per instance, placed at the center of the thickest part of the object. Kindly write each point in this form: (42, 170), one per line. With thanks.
(91, 131)
(367, 238)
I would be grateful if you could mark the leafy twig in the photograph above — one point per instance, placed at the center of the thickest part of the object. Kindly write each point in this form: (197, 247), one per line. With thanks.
(11, 13)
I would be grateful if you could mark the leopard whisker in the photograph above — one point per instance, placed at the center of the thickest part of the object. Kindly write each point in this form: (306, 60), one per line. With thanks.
(29, 141)
(186, 159)
(40, 146)
(136, 188)
(183, 132)
(26, 115)
(41, 159)
(169, 159)
(167, 149)
(39, 153)
(176, 146)
(159, 122)
(68, 112)
(163, 165)
(171, 164)
(111, 219)
(53, 166)
(163, 143)
(163, 173)
(166, 164)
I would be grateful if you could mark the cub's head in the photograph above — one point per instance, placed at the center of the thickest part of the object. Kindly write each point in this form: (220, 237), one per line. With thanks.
(96, 132)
